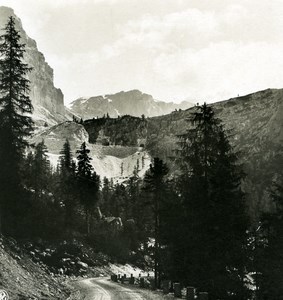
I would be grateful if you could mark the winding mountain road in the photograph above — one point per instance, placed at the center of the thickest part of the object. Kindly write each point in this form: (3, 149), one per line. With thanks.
(104, 289)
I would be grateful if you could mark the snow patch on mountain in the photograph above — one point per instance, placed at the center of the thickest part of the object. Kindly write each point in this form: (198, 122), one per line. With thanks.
(134, 103)
(83, 100)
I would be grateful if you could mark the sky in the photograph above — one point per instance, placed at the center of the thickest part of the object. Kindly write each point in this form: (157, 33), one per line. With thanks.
(196, 50)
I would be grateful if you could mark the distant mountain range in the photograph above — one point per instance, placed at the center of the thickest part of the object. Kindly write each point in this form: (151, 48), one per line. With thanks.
(133, 103)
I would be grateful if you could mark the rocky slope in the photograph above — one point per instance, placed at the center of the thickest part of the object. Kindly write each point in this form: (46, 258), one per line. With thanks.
(46, 98)
(22, 278)
(134, 103)
(256, 124)
(255, 121)
(114, 161)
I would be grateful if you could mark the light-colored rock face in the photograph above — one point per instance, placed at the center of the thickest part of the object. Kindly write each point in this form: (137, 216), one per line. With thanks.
(116, 162)
(47, 100)
(134, 103)
(55, 137)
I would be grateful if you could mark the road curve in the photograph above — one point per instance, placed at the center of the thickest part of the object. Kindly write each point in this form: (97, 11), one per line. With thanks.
(104, 289)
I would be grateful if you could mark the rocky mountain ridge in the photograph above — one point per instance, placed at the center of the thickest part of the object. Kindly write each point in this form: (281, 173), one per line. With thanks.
(48, 101)
(134, 103)
(115, 162)
(254, 123)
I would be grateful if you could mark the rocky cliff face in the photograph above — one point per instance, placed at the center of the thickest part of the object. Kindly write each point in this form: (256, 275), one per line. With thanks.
(112, 161)
(134, 103)
(48, 101)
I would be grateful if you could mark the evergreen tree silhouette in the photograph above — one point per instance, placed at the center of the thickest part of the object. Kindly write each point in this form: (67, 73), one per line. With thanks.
(66, 158)
(107, 190)
(88, 183)
(15, 123)
(41, 168)
(155, 186)
(271, 259)
(214, 220)
(119, 201)
(67, 187)
(84, 166)
(28, 170)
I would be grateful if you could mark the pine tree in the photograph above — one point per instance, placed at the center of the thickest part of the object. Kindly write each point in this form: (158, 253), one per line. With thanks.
(135, 209)
(67, 188)
(28, 170)
(84, 166)
(41, 168)
(119, 202)
(107, 191)
(155, 185)
(42, 211)
(88, 183)
(213, 217)
(133, 191)
(15, 124)
(271, 267)
(66, 158)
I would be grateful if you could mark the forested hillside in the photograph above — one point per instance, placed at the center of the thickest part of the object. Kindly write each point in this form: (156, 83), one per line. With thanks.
(254, 124)
(194, 196)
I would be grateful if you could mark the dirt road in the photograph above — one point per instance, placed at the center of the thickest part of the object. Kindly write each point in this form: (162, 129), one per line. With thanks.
(104, 289)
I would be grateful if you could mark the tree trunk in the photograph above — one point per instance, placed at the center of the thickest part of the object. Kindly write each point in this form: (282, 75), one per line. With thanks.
(87, 221)
(156, 245)
(0, 220)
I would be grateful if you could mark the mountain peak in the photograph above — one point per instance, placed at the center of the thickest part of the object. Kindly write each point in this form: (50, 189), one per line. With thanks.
(133, 102)
(7, 10)
(131, 93)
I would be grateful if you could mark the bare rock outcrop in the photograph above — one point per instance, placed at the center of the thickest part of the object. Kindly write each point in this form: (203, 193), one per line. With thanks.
(48, 101)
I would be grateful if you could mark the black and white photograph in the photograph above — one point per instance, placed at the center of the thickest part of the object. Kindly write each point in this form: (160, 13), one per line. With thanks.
(141, 149)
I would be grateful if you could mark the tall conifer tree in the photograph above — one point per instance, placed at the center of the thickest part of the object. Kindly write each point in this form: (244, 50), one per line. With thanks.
(271, 259)
(15, 123)
(107, 190)
(214, 221)
(155, 185)
(41, 168)
(66, 158)
(88, 183)
(66, 187)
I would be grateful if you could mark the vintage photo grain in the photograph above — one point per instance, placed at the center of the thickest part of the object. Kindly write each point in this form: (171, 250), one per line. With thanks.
(141, 149)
